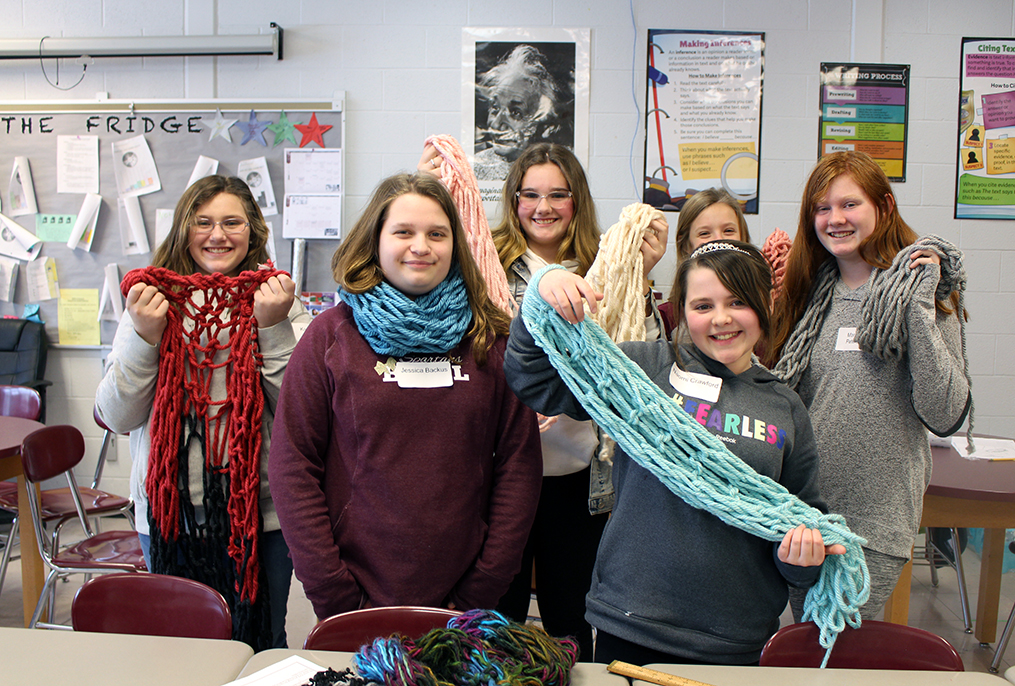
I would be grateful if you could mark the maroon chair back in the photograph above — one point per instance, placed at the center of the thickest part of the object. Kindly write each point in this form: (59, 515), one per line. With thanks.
(151, 605)
(875, 645)
(51, 451)
(350, 630)
(20, 401)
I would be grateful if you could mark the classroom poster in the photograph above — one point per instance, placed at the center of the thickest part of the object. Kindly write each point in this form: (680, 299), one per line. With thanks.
(865, 107)
(703, 108)
(985, 174)
(520, 87)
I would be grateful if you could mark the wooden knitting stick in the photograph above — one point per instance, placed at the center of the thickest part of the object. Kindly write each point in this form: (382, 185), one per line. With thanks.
(651, 675)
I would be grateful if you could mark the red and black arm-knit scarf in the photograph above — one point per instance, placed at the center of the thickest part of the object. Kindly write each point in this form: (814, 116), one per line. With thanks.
(223, 551)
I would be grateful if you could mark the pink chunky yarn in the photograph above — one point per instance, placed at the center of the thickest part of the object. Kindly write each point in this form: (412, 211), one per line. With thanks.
(457, 175)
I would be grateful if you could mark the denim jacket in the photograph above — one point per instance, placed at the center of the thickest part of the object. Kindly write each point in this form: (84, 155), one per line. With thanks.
(601, 473)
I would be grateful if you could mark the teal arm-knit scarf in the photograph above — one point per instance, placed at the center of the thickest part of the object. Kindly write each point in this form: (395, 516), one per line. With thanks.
(691, 462)
(394, 324)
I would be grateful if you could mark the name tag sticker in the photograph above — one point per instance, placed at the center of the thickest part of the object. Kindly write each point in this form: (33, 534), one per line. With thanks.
(846, 340)
(423, 374)
(700, 386)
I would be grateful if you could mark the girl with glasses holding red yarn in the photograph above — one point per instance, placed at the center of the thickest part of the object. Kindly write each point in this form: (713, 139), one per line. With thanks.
(196, 363)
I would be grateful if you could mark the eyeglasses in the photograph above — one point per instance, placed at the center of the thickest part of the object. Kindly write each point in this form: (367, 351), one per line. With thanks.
(529, 199)
(228, 225)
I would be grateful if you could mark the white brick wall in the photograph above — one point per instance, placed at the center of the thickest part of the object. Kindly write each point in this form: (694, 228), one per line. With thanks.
(399, 63)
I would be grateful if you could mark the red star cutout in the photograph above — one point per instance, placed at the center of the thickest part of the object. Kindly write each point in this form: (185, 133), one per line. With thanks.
(312, 131)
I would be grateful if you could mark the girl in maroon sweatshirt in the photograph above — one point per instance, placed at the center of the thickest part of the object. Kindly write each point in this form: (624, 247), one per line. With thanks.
(403, 469)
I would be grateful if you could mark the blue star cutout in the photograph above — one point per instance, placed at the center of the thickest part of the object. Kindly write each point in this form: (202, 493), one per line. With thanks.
(254, 130)
(283, 130)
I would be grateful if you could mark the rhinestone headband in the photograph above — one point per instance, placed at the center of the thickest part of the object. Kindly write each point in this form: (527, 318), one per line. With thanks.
(713, 247)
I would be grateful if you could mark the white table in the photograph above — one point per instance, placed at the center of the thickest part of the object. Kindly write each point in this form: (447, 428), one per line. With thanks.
(719, 675)
(583, 674)
(39, 656)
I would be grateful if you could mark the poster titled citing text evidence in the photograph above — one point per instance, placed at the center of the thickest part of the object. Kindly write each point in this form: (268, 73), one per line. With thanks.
(985, 188)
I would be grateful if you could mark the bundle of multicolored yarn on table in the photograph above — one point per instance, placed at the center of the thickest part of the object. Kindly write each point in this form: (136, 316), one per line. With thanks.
(477, 647)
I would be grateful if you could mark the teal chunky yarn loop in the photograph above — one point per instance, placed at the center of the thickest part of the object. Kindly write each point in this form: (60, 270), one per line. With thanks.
(693, 463)
(394, 324)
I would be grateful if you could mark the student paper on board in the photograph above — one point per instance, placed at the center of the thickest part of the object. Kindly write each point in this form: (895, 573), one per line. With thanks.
(18, 242)
(76, 316)
(43, 282)
(111, 300)
(163, 225)
(84, 228)
(77, 164)
(205, 166)
(21, 191)
(8, 278)
(255, 173)
(133, 236)
(134, 167)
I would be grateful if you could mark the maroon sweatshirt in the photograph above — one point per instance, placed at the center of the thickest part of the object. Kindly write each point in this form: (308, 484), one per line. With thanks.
(390, 494)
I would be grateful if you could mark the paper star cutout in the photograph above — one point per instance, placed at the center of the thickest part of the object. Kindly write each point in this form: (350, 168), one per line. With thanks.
(220, 127)
(254, 130)
(283, 130)
(313, 131)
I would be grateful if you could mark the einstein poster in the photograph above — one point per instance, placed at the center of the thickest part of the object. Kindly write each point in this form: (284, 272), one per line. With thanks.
(520, 87)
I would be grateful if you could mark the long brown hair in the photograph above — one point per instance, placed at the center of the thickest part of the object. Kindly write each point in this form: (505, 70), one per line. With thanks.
(174, 252)
(698, 203)
(356, 264)
(740, 268)
(581, 240)
(891, 234)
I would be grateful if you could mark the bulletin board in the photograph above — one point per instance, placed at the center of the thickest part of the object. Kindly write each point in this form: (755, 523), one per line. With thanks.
(178, 133)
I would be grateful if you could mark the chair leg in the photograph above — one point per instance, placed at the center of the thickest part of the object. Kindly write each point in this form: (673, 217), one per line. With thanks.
(1002, 643)
(931, 554)
(960, 573)
(44, 597)
(12, 538)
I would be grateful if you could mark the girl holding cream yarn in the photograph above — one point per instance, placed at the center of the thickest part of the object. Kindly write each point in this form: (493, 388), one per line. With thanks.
(549, 218)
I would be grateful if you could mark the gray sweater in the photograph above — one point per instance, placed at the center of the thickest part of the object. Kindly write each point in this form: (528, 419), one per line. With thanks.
(126, 393)
(871, 416)
(667, 576)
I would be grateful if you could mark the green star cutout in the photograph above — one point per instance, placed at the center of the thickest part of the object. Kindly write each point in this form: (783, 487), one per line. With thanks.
(283, 130)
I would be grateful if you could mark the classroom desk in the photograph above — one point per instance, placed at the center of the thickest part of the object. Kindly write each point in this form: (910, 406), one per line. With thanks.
(12, 431)
(583, 674)
(967, 493)
(719, 675)
(39, 656)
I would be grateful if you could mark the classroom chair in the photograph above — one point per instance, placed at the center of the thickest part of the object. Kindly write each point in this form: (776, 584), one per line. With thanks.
(875, 645)
(24, 402)
(23, 350)
(151, 605)
(46, 454)
(348, 631)
(58, 506)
